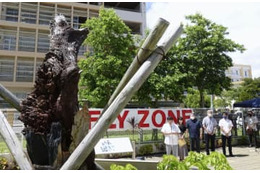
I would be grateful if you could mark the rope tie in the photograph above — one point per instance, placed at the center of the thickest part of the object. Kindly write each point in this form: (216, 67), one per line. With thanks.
(161, 52)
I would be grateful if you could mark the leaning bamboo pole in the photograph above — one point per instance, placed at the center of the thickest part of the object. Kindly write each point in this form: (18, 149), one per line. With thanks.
(88, 143)
(13, 144)
(146, 49)
(10, 98)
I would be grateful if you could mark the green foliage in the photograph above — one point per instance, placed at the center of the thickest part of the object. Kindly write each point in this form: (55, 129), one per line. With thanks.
(192, 99)
(113, 47)
(220, 103)
(194, 160)
(170, 162)
(146, 149)
(202, 53)
(3, 163)
(249, 89)
(200, 161)
(218, 161)
(119, 167)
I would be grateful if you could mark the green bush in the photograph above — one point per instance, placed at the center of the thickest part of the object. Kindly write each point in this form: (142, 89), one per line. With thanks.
(119, 167)
(3, 163)
(170, 162)
(146, 149)
(195, 160)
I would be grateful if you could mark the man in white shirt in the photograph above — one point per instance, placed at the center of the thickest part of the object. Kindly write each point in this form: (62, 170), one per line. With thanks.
(226, 126)
(251, 127)
(171, 132)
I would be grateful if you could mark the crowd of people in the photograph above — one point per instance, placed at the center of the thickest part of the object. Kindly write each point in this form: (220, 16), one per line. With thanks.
(176, 134)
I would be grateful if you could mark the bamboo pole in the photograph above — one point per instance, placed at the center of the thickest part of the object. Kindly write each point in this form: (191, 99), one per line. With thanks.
(146, 49)
(88, 143)
(13, 144)
(10, 98)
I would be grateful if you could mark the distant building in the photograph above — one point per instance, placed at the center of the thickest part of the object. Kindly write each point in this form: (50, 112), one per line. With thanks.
(238, 73)
(24, 30)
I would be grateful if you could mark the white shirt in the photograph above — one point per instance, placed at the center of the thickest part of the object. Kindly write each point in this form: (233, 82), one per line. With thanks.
(173, 138)
(226, 124)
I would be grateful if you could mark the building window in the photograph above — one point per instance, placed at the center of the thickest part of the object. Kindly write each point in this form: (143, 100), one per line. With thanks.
(27, 41)
(28, 12)
(43, 43)
(46, 14)
(7, 39)
(237, 72)
(246, 75)
(38, 63)
(9, 11)
(79, 17)
(66, 12)
(82, 50)
(11, 15)
(25, 69)
(6, 69)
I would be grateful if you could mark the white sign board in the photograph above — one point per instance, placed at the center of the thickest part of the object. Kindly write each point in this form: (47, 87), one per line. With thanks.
(113, 145)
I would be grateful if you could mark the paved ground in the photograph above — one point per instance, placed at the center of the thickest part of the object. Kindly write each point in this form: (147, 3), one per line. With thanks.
(245, 158)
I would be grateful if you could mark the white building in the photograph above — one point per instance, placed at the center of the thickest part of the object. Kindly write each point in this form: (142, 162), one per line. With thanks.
(24, 30)
(238, 73)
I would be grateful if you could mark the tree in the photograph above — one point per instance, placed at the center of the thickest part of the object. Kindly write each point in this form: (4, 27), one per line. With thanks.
(249, 89)
(113, 50)
(202, 53)
(192, 99)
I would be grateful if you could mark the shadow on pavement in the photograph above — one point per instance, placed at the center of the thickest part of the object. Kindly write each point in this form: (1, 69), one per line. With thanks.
(240, 155)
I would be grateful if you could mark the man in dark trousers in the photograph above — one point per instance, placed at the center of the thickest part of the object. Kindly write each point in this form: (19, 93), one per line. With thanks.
(209, 124)
(251, 122)
(226, 126)
(195, 133)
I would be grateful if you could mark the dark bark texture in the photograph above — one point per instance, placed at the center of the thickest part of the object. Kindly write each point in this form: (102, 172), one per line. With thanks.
(48, 112)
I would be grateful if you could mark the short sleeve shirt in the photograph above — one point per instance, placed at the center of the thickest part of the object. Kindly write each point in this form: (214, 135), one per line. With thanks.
(226, 124)
(251, 122)
(210, 123)
(193, 127)
(173, 138)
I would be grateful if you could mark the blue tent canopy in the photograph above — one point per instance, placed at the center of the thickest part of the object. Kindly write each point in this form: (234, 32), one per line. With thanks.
(254, 103)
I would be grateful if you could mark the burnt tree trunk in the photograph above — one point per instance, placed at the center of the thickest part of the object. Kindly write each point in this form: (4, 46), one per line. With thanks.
(48, 112)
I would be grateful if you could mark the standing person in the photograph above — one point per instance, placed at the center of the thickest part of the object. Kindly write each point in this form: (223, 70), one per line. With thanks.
(251, 127)
(226, 126)
(195, 133)
(209, 125)
(171, 132)
(183, 151)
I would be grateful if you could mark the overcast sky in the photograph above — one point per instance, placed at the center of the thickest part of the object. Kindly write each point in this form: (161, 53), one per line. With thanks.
(242, 20)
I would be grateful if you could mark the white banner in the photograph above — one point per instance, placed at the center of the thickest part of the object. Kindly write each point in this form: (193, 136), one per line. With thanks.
(144, 118)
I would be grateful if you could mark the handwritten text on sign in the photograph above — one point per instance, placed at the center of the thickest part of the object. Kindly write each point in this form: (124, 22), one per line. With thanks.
(113, 145)
(146, 118)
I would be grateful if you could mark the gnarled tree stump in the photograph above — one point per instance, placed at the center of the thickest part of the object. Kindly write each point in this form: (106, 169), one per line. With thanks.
(48, 112)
